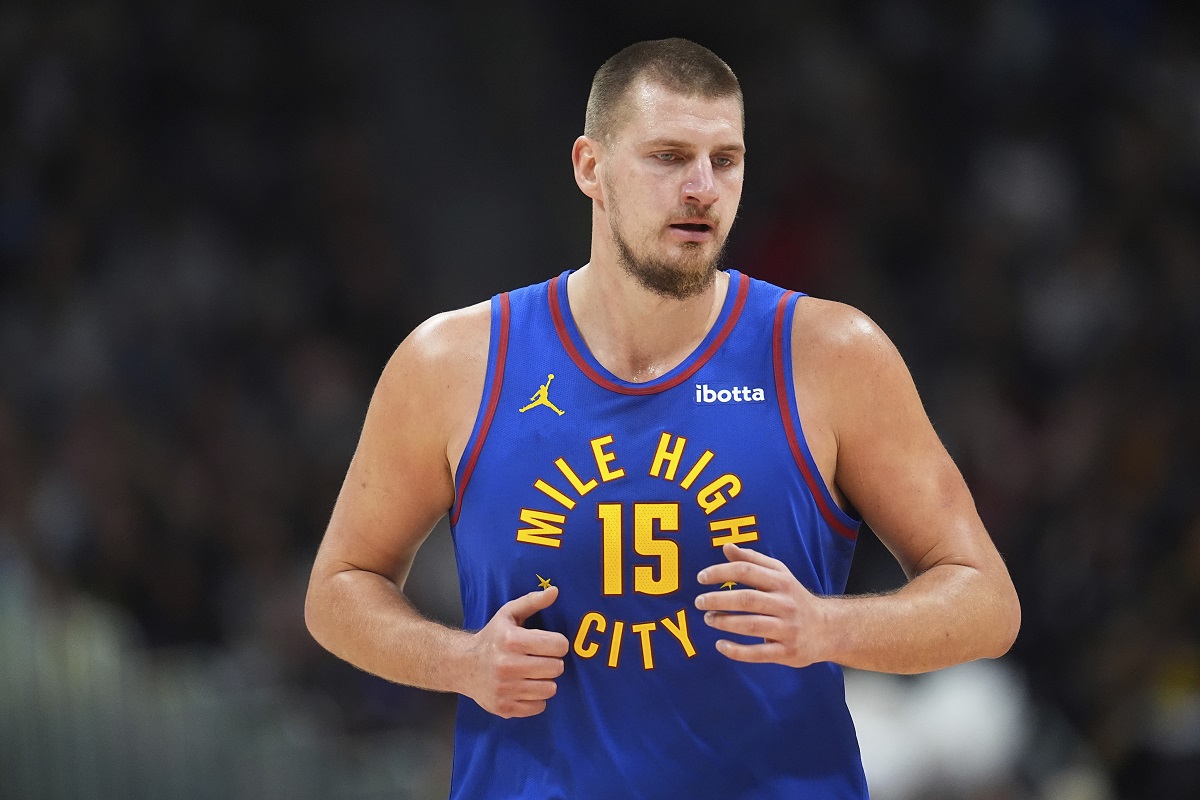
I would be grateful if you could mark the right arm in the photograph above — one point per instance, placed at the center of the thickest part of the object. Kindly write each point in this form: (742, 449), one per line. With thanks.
(399, 484)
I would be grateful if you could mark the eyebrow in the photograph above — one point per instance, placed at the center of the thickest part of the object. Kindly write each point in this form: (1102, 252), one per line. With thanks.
(682, 145)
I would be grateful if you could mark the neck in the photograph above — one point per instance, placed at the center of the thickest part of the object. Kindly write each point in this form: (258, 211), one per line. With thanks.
(636, 334)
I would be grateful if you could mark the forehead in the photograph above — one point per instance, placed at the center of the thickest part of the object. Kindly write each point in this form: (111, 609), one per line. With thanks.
(653, 111)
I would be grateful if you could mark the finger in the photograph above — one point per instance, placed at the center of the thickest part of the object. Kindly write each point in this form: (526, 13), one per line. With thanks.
(758, 625)
(768, 653)
(734, 553)
(521, 708)
(525, 606)
(755, 575)
(543, 643)
(751, 600)
(535, 690)
(534, 667)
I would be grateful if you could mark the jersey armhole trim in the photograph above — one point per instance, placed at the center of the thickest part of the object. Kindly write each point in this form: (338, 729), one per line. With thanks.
(492, 383)
(841, 522)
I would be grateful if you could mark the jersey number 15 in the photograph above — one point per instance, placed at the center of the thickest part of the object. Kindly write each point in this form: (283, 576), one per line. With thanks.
(647, 517)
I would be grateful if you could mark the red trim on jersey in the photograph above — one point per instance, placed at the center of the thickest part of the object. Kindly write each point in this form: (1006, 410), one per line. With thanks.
(560, 325)
(497, 378)
(816, 484)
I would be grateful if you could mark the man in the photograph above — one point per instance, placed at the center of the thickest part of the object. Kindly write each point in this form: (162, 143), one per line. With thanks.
(655, 472)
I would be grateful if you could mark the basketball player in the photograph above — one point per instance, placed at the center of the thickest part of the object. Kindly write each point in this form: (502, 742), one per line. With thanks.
(655, 471)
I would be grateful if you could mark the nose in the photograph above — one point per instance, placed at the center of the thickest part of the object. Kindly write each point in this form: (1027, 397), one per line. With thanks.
(699, 187)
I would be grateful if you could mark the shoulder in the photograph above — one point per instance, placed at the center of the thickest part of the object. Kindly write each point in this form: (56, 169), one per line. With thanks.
(445, 344)
(436, 375)
(450, 336)
(850, 376)
(840, 338)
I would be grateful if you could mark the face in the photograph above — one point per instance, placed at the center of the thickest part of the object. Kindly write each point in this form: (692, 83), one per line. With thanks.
(671, 181)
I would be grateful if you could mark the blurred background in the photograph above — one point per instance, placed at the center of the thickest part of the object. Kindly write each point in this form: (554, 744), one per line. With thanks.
(217, 221)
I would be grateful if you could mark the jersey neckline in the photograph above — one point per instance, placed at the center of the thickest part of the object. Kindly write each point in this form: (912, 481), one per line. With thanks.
(572, 340)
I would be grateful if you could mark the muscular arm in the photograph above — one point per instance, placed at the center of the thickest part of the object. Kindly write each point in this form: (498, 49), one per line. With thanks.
(959, 603)
(878, 451)
(398, 486)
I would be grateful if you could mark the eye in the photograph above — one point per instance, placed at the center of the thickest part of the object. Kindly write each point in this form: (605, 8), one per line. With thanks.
(666, 157)
(723, 161)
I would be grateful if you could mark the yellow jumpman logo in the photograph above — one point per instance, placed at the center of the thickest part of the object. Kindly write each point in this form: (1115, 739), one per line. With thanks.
(543, 583)
(541, 397)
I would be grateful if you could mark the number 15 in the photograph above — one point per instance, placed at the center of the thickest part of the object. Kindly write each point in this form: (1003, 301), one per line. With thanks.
(645, 516)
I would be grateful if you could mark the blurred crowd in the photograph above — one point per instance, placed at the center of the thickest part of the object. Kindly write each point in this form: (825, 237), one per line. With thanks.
(216, 224)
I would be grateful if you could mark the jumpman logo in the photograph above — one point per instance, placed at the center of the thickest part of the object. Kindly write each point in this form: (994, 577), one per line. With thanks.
(541, 398)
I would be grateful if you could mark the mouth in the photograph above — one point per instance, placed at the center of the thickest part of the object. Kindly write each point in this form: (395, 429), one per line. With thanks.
(692, 231)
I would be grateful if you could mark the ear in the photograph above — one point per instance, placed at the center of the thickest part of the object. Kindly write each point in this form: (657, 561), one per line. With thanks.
(585, 157)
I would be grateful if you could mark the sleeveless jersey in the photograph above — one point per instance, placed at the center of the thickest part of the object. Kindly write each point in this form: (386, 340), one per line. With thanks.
(619, 493)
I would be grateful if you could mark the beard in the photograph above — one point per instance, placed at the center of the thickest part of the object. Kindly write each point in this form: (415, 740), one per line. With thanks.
(679, 278)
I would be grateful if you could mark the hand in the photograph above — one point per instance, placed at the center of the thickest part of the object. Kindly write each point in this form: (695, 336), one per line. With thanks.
(777, 608)
(515, 667)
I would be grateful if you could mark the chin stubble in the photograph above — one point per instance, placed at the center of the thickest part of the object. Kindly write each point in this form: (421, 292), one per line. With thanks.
(665, 278)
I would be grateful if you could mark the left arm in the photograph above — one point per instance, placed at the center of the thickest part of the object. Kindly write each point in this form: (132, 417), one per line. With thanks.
(885, 459)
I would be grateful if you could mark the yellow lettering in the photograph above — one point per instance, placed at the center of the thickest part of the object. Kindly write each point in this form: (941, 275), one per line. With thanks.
(610, 519)
(734, 526)
(604, 458)
(679, 631)
(671, 456)
(554, 494)
(546, 526)
(587, 644)
(711, 497)
(583, 647)
(647, 655)
(665, 550)
(696, 469)
(614, 649)
(569, 474)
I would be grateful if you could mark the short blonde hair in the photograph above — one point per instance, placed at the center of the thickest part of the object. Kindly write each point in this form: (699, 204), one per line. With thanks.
(676, 64)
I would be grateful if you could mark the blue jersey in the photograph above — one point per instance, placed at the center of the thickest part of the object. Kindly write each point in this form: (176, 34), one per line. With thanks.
(619, 493)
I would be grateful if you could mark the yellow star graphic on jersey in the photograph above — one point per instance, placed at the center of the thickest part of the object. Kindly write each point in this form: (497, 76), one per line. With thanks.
(543, 583)
(728, 584)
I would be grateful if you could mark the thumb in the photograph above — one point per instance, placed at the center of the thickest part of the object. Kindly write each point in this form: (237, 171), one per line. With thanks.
(525, 606)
